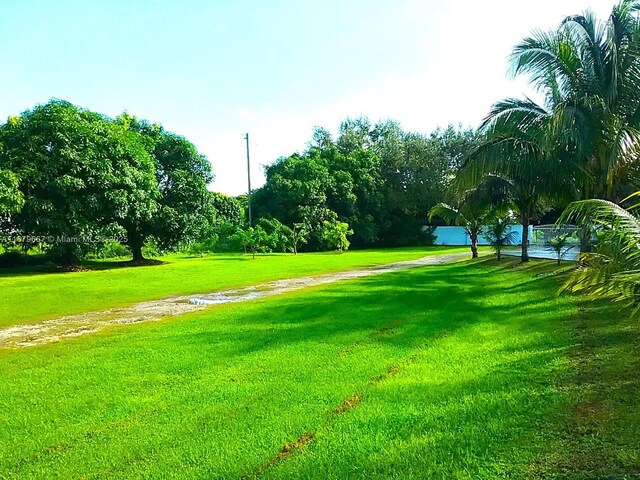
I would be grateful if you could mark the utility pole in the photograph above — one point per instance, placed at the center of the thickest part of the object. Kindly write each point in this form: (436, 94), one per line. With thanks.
(246, 137)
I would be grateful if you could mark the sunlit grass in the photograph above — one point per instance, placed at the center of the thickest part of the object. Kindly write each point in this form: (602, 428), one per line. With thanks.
(27, 296)
(458, 371)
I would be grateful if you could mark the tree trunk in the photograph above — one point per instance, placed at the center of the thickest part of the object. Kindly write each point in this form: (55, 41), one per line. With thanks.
(135, 241)
(474, 245)
(136, 250)
(524, 257)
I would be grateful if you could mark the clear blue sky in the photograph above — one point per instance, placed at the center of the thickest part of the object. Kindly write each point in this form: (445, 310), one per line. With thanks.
(213, 70)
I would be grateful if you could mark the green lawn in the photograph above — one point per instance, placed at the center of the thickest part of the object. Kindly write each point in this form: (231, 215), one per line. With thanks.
(456, 371)
(30, 296)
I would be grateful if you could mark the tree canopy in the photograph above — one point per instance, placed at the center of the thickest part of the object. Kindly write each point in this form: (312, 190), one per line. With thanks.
(378, 179)
(70, 177)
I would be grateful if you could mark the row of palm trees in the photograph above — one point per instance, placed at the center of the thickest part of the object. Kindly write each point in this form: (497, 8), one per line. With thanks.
(579, 148)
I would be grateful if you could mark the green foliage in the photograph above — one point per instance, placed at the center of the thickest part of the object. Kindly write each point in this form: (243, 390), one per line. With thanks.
(81, 175)
(278, 237)
(227, 209)
(583, 141)
(151, 248)
(110, 249)
(207, 245)
(499, 235)
(428, 235)
(587, 70)
(253, 239)
(471, 211)
(11, 198)
(13, 257)
(612, 270)
(299, 235)
(378, 179)
(560, 244)
(335, 235)
(225, 232)
(185, 208)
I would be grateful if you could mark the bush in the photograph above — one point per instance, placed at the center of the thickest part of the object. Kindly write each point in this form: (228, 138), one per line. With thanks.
(205, 246)
(111, 249)
(151, 249)
(12, 258)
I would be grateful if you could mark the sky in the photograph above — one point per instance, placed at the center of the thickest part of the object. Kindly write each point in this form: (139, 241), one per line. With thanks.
(213, 70)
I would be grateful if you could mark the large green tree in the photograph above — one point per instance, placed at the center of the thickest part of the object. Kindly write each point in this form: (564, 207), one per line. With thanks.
(417, 172)
(183, 202)
(81, 175)
(11, 198)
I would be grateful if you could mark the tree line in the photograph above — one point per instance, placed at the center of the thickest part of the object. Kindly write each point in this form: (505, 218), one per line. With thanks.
(378, 179)
(74, 182)
(70, 179)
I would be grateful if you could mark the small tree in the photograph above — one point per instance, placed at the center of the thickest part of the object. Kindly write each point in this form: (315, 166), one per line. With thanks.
(253, 239)
(560, 245)
(278, 234)
(334, 235)
(470, 214)
(299, 234)
(498, 234)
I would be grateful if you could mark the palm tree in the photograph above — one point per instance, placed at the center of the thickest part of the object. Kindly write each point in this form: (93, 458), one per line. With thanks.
(470, 211)
(499, 234)
(614, 268)
(515, 175)
(589, 125)
(590, 72)
(560, 245)
(584, 141)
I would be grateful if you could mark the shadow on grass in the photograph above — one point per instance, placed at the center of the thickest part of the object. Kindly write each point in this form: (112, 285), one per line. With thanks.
(600, 439)
(403, 313)
(444, 297)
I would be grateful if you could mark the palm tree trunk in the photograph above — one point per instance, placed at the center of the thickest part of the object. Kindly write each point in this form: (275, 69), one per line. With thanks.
(474, 245)
(524, 257)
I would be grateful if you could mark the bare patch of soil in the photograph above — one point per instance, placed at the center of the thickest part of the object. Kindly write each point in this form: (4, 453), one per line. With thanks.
(348, 404)
(287, 450)
(58, 329)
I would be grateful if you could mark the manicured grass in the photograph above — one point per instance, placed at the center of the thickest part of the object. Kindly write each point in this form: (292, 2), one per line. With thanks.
(456, 371)
(31, 296)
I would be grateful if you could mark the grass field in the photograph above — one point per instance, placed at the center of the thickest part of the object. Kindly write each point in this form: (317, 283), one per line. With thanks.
(30, 295)
(457, 371)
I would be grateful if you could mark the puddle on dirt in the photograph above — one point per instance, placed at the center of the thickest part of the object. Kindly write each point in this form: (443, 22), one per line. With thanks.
(70, 326)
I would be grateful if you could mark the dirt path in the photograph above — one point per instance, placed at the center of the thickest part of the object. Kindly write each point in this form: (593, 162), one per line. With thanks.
(30, 334)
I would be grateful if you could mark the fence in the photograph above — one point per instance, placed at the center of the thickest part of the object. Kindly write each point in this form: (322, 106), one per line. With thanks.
(542, 239)
(458, 236)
